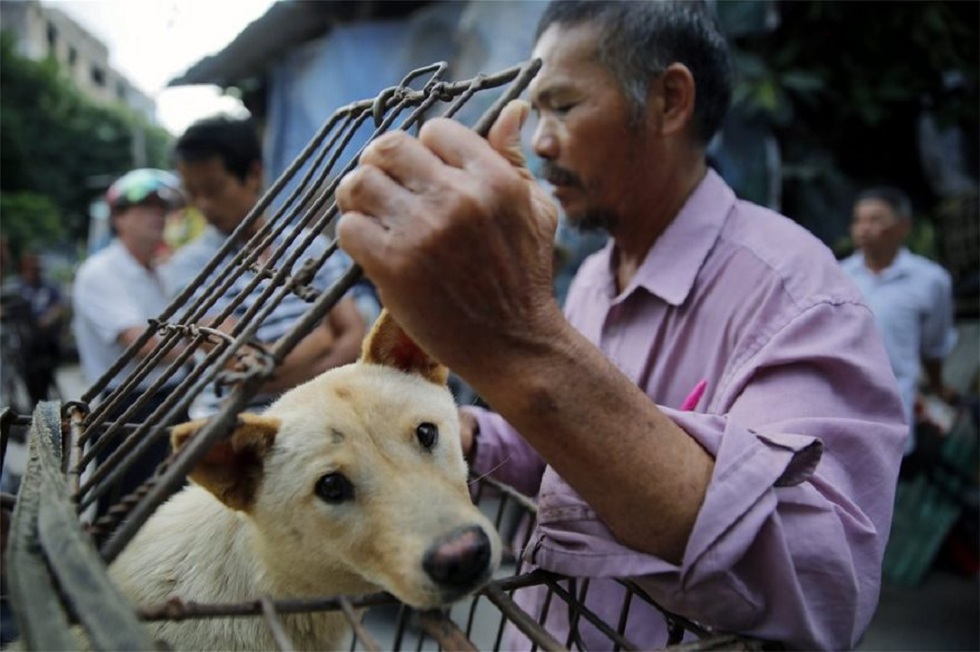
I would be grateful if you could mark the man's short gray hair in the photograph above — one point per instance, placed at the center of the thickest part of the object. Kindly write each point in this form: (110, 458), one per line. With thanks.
(639, 39)
(897, 200)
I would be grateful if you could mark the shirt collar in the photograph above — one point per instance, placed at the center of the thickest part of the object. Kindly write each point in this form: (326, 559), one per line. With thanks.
(127, 262)
(900, 266)
(673, 262)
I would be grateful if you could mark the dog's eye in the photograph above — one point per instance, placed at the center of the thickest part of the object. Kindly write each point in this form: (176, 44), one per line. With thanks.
(428, 434)
(334, 488)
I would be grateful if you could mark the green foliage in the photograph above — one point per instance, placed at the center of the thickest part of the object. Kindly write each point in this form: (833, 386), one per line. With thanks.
(58, 145)
(843, 85)
(29, 219)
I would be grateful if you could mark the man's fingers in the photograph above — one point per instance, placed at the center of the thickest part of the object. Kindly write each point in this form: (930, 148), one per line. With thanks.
(369, 190)
(454, 143)
(362, 237)
(505, 135)
(461, 147)
(403, 159)
(413, 162)
(403, 183)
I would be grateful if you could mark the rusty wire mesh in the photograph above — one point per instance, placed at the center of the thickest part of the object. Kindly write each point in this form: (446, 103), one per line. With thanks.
(238, 362)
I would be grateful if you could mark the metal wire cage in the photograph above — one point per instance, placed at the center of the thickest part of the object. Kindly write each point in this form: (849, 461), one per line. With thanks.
(56, 562)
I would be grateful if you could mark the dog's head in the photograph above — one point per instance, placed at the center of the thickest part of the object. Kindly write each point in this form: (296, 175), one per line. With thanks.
(355, 481)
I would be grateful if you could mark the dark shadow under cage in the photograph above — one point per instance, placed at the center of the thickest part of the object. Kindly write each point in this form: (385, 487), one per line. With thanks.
(56, 561)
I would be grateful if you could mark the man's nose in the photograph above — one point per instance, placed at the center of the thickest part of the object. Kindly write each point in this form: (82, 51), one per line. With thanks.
(544, 142)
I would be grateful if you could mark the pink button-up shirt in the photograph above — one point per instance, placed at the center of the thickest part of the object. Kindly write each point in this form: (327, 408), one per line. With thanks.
(800, 411)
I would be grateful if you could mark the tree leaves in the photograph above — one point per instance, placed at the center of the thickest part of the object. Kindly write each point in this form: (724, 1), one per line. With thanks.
(58, 150)
(844, 84)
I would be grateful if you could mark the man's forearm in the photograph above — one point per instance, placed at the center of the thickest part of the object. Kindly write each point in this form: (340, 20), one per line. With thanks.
(348, 329)
(606, 439)
(303, 362)
(335, 342)
(345, 350)
(130, 335)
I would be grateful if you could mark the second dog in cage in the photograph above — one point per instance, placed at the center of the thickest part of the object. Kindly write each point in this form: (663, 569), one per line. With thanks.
(353, 482)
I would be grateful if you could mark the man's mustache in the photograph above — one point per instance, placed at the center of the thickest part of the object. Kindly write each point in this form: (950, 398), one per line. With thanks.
(559, 176)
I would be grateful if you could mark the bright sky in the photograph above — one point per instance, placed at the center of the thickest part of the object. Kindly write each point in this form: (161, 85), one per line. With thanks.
(152, 41)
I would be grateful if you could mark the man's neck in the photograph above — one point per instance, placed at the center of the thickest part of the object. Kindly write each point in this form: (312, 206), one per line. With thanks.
(143, 254)
(637, 235)
(247, 233)
(880, 262)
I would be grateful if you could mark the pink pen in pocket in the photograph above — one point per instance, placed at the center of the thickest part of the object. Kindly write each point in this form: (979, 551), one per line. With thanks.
(692, 399)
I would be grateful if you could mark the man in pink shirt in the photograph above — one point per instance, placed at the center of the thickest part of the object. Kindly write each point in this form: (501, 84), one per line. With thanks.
(764, 507)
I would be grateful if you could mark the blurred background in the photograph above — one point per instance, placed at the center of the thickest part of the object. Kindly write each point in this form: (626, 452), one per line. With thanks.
(831, 97)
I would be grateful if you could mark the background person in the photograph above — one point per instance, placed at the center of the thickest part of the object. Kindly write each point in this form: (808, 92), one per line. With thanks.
(220, 163)
(116, 291)
(763, 506)
(911, 296)
(47, 313)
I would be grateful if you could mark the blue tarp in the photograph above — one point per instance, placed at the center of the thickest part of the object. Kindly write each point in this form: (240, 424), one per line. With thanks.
(356, 61)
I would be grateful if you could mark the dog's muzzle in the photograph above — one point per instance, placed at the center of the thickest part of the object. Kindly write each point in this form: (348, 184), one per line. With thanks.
(460, 560)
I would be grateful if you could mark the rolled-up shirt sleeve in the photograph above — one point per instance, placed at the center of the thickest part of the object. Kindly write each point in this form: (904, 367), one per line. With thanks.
(806, 433)
(938, 333)
(501, 451)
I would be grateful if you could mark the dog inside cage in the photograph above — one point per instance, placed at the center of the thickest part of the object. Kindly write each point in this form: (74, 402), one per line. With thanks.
(288, 529)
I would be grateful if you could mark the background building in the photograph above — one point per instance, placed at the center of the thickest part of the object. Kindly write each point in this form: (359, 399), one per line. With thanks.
(43, 31)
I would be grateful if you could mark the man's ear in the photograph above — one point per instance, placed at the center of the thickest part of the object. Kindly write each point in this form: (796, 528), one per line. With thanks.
(232, 468)
(674, 93)
(255, 177)
(387, 344)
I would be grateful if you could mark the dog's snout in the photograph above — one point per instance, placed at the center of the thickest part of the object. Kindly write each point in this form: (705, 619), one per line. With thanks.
(460, 558)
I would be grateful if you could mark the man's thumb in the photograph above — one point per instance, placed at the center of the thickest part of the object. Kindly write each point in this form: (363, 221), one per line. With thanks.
(505, 135)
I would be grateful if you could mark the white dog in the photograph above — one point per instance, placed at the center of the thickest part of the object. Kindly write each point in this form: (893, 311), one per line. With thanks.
(350, 483)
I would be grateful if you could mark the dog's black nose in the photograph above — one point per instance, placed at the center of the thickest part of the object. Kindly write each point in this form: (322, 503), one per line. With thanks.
(458, 559)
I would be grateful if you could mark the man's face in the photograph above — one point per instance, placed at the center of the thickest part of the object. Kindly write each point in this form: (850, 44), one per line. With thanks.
(222, 198)
(876, 229)
(592, 155)
(30, 269)
(142, 224)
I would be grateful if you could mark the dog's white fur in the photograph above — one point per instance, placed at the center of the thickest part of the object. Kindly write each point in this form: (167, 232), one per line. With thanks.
(252, 523)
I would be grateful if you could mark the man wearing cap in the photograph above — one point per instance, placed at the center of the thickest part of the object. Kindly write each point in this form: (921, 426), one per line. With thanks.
(117, 290)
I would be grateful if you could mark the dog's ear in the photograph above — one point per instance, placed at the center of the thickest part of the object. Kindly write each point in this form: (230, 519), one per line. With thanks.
(388, 344)
(232, 468)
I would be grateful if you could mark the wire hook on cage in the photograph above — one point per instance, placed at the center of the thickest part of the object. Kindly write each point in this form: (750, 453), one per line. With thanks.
(397, 94)
(212, 336)
(380, 106)
(255, 361)
(75, 410)
(438, 70)
(300, 283)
